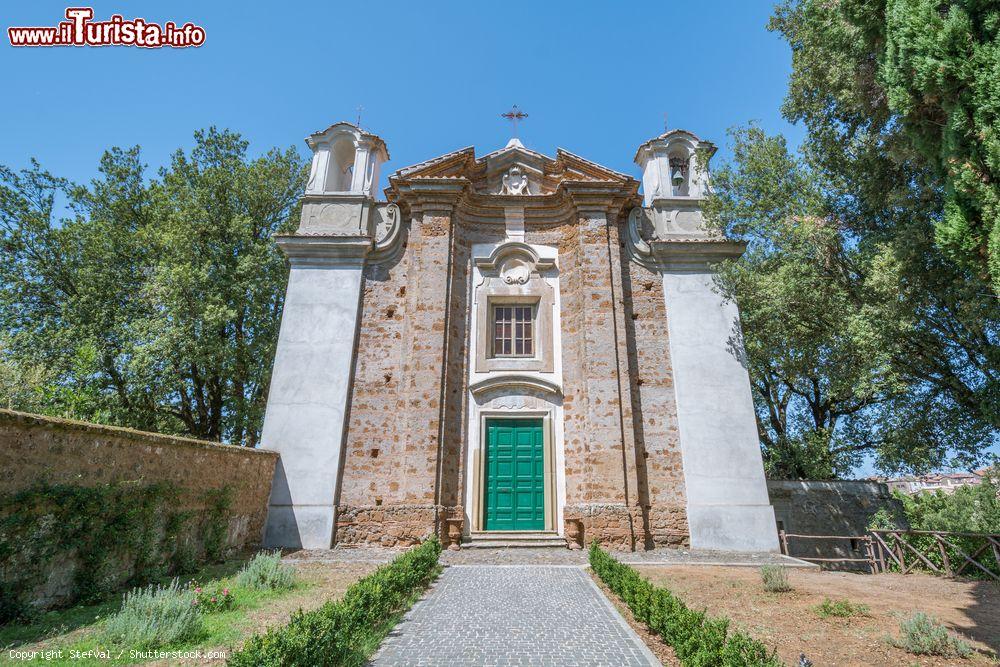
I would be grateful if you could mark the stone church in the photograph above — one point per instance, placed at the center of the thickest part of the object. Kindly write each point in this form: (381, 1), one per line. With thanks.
(511, 348)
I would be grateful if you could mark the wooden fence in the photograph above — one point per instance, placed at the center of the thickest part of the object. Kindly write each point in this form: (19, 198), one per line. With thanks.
(924, 547)
(866, 540)
(949, 553)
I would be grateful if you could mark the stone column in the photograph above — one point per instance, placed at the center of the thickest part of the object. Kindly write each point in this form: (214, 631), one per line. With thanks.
(310, 386)
(727, 501)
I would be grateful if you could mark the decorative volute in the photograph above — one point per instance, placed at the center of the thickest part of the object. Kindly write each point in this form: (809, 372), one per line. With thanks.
(670, 166)
(346, 160)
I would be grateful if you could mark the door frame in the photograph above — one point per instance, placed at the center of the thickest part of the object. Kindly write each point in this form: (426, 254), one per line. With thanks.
(479, 466)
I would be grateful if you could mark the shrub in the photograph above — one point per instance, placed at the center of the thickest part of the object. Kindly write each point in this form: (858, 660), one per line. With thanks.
(775, 579)
(347, 631)
(213, 598)
(840, 608)
(698, 640)
(924, 635)
(969, 509)
(266, 572)
(154, 617)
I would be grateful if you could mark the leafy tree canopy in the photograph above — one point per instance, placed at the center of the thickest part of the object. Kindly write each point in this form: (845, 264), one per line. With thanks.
(151, 303)
(869, 290)
(922, 76)
(860, 342)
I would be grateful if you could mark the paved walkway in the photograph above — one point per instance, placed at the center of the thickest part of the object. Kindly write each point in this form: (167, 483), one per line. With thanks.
(514, 615)
(550, 557)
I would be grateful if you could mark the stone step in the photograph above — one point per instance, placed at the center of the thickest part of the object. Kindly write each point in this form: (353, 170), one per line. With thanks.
(513, 539)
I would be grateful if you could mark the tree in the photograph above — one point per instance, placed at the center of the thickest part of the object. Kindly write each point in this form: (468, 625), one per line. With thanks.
(860, 342)
(872, 325)
(922, 76)
(155, 303)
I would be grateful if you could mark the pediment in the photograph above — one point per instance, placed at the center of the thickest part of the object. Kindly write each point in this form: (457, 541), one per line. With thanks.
(511, 170)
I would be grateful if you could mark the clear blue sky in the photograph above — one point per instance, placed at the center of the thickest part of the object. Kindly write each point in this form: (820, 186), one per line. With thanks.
(595, 77)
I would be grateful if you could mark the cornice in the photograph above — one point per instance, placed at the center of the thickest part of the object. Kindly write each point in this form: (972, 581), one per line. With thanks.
(509, 248)
(693, 254)
(425, 193)
(608, 197)
(307, 250)
(515, 380)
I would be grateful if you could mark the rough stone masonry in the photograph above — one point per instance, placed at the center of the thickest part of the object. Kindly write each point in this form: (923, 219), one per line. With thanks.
(511, 343)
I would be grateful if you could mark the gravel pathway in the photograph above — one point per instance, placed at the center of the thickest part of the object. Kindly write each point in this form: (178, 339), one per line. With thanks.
(514, 615)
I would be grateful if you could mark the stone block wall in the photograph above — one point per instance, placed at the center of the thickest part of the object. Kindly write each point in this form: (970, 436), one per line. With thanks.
(827, 508)
(35, 448)
(63, 451)
(406, 443)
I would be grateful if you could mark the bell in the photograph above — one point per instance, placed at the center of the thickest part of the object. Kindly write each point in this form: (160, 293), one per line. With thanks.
(677, 177)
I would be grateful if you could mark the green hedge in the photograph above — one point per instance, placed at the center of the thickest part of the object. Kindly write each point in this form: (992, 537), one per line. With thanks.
(697, 639)
(347, 631)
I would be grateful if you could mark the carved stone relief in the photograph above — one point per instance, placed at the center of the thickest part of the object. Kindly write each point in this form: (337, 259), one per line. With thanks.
(515, 182)
(334, 218)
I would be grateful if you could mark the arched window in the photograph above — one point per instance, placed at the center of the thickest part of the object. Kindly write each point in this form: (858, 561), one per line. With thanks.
(680, 177)
(341, 170)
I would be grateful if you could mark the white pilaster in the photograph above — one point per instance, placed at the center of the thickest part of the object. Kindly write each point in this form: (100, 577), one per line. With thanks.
(728, 506)
(310, 388)
(727, 502)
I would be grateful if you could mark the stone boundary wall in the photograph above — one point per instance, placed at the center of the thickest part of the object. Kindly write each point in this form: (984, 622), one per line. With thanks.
(828, 508)
(35, 448)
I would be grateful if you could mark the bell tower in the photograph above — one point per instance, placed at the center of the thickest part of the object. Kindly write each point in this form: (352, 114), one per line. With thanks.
(728, 507)
(346, 160)
(310, 384)
(674, 182)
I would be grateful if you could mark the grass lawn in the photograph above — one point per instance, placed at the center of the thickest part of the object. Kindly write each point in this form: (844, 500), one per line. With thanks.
(75, 631)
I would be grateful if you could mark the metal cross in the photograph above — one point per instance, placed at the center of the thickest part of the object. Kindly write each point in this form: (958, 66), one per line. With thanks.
(360, 109)
(514, 115)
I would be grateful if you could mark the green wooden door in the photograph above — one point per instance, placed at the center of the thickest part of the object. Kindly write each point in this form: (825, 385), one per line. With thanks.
(515, 466)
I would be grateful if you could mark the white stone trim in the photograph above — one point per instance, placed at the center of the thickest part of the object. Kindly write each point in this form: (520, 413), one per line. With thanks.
(515, 394)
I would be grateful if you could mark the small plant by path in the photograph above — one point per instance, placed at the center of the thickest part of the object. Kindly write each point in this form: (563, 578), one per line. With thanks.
(840, 608)
(214, 597)
(266, 572)
(168, 617)
(924, 635)
(775, 579)
(154, 617)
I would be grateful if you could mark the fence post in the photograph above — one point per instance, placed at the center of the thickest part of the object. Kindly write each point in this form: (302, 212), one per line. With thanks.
(881, 557)
(944, 554)
(899, 552)
(784, 541)
(870, 553)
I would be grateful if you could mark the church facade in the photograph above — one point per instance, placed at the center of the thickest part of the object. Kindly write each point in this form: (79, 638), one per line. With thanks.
(511, 346)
